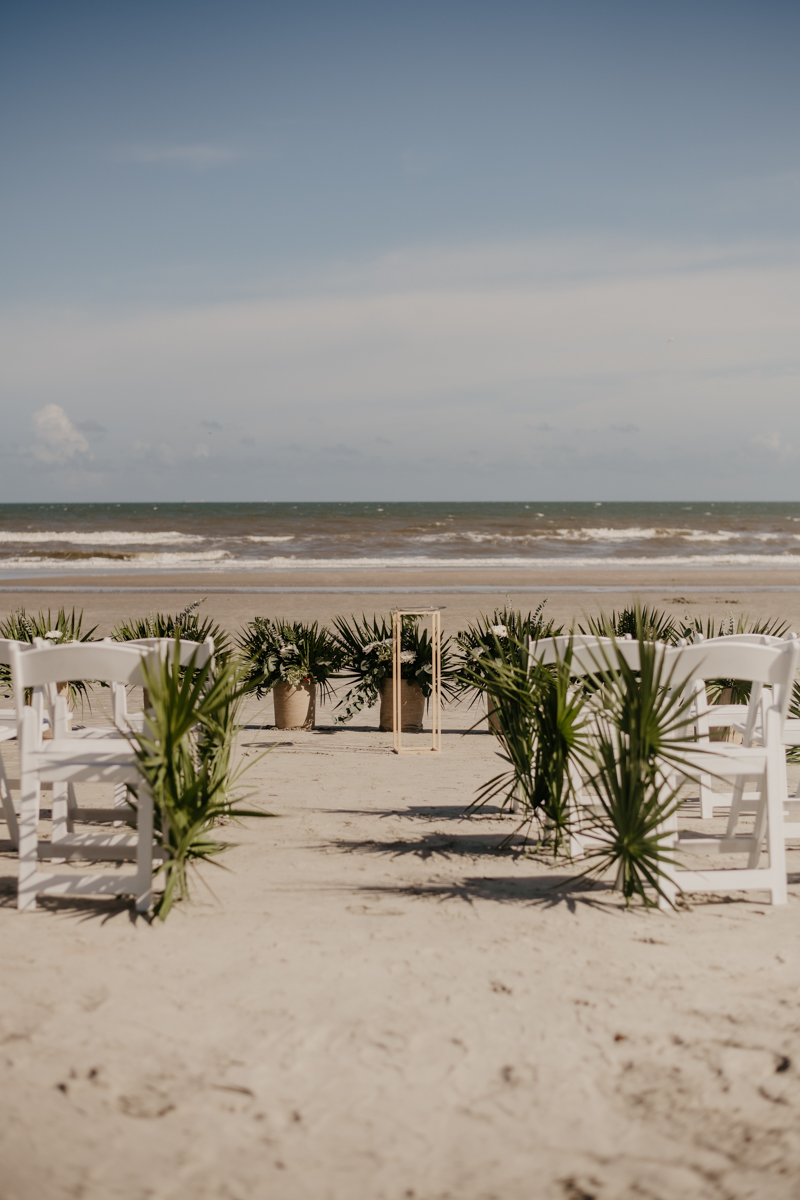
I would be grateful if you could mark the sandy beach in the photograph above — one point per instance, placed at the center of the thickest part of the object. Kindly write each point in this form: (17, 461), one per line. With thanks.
(375, 1000)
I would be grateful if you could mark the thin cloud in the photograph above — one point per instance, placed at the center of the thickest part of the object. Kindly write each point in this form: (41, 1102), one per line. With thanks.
(58, 440)
(198, 156)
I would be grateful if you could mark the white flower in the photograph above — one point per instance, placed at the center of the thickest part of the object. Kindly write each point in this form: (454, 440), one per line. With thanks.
(287, 651)
(407, 656)
(374, 645)
(54, 634)
(499, 631)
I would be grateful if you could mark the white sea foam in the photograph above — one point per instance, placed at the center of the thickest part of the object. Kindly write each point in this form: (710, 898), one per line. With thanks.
(269, 538)
(220, 560)
(605, 534)
(165, 559)
(107, 537)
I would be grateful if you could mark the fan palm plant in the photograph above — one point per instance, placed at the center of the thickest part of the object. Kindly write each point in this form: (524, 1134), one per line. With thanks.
(542, 733)
(640, 720)
(654, 624)
(187, 624)
(186, 756)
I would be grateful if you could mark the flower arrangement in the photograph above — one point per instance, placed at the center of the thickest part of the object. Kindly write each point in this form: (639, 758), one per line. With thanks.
(366, 648)
(288, 652)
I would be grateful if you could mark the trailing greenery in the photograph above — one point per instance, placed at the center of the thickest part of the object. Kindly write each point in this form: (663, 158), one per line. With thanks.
(57, 630)
(186, 624)
(655, 625)
(543, 735)
(501, 637)
(640, 718)
(288, 652)
(186, 756)
(366, 649)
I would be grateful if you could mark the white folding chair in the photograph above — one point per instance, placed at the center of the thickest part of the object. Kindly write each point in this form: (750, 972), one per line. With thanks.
(770, 670)
(68, 759)
(187, 652)
(709, 716)
(9, 722)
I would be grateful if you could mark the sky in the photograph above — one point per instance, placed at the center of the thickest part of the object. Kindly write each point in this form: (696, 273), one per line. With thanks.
(437, 251)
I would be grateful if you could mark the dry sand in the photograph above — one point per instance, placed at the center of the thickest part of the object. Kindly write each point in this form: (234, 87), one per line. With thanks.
(378, 1003)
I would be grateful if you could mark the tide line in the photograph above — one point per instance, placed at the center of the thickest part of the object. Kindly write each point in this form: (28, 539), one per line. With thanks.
(465, 589)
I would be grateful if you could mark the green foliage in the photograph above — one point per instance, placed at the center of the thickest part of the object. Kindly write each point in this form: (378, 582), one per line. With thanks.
(185, 754)
(501, 637)
(275, 651)
(542, 735)
(24, 627)
(187, 625)
(655, 625)
(366, 649)
(641, 717)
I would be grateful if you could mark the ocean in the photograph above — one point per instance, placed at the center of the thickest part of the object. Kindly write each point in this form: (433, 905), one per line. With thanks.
(39, 538)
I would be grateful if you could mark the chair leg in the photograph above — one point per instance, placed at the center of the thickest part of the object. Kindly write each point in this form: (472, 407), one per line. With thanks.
(72, 807)
(706, 798)
(759, 828)
(59, 816)
(28, 843)
(120, 799)
(7, 802)
(144, 852)
(777, 789)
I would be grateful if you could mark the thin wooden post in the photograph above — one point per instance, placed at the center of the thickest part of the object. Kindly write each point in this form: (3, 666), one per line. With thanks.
(435, 615)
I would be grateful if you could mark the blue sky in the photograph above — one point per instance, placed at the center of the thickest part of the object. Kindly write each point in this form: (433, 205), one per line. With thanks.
(439, 251)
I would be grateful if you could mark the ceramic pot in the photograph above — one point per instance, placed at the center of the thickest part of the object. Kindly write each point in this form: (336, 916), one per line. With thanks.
(412, 706)
(295, 707)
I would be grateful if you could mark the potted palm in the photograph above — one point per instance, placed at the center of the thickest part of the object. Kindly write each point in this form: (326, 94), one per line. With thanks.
(366, 648)
(291, 660)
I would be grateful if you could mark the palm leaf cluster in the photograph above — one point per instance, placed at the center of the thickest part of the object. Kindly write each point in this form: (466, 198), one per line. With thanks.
(21, 626)
(187, 624)
(185, 754)
(639, 719)
(542, 734)
(653, 624)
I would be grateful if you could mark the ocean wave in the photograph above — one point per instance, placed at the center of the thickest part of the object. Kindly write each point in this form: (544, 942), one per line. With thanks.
(607, 534)
(165, 559)
(220, 560)
(107, 537)
(251, 537)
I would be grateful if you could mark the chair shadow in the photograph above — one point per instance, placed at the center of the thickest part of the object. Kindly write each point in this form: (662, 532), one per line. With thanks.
(544, 891)
(84, 908)
(432, 812)
(471, 845)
